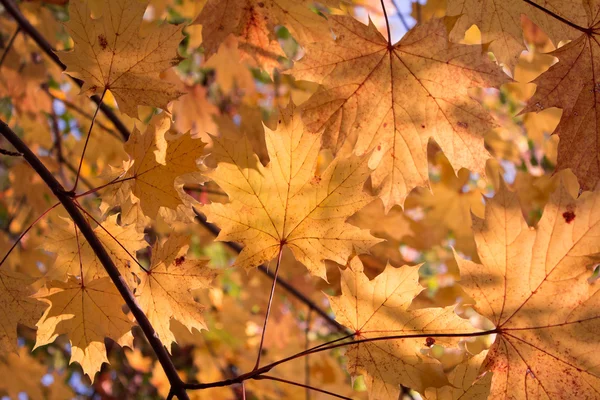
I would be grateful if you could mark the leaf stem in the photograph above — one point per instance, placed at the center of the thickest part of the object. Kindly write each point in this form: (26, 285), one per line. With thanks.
(587, 31)
(87, 140)
(96, 189)
(264, 330)
(282, 282)
(80, 111)
(102, 255)
(387, 24)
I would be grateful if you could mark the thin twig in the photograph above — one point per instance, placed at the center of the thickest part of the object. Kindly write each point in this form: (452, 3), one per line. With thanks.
(401, 16)
(80, 111)
(587, 31)
(264, 330)
(43, 44)
(10, 153)
(102, 255)
(330, 346)
(25, 232)
(306, 359)
(272, 378)
(57, 146)
(9, 45)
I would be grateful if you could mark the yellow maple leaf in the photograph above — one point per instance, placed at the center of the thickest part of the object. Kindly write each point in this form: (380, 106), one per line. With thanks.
(392, 100)
(448, 206)
(572, 85)
(16, 307)
(500, 23)
(253, 23)
(465, 382)
(87, 312)
(166, 289)
(110, 53)
(158, 156)
(381, 308)
(27, 376)
(285, 203)
(76, 257)
(534, 286)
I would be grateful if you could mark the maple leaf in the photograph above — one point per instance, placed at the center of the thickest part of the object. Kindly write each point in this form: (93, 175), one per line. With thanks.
(16, 307)
(253, 23)
(110, 53)
(533, 285)
(572, 84)
(76, 257)
(27, 374)
(87, 312)
(392, 100)
(165, 290)
(465, 382)
(285, 203)
(448, 205)
(158, 156)
(500, 23)
(381, 308)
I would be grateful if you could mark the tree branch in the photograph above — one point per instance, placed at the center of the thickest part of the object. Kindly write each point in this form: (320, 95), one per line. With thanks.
(33, 33)
(68, 203)
(282, 282)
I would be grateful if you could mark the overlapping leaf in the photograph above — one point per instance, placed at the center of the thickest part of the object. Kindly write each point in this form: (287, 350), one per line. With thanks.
(573, 85)
(111, 53)
(76, 257)
(392, 100)
(500, 22)
(16, 307)
(534, 285)
(286, 203)
(253, 23)
(166, 288)
(87, 312)
(381, 308)
(158, 156)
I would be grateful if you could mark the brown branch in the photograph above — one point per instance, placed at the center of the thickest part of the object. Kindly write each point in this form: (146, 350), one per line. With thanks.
(10, 153)
(43, 44)
(330, 346)
(78, 218)
(282, 282)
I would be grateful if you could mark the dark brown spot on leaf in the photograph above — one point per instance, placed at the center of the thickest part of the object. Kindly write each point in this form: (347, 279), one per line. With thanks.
(103, 42)
(569, 216)
(179, 261)
(429, 342)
